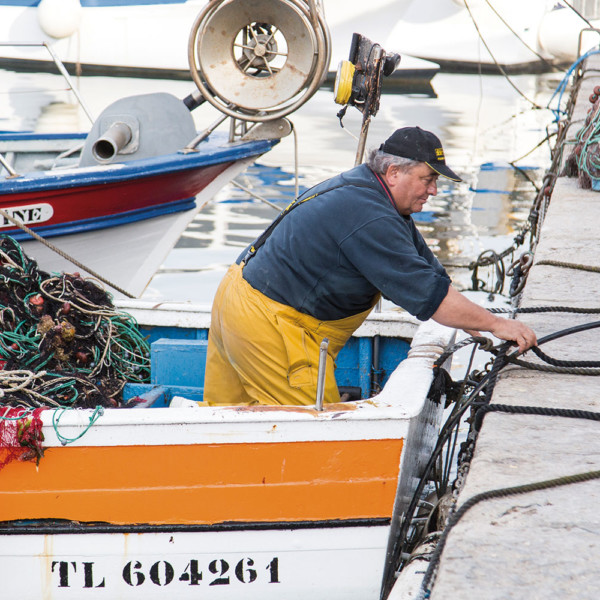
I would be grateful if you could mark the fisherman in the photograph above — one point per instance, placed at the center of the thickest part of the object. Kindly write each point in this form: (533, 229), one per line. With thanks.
(322, 265)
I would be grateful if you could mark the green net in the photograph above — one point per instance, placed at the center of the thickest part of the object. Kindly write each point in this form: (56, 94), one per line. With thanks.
(62, 341)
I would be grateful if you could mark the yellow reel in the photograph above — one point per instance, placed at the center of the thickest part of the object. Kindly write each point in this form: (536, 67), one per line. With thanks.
(342, 89)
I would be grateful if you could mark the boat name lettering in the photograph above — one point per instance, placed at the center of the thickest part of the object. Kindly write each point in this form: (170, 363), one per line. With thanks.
(71, 574)
(30, 214)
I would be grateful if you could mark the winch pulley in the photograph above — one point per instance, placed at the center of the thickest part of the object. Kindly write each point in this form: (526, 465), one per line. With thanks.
(259, 60)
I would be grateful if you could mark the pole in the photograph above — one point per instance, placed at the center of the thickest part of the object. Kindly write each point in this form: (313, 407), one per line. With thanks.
(321, 374)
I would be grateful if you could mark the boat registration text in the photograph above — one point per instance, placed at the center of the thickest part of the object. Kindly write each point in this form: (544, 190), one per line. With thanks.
(217, 572)
(28, 215)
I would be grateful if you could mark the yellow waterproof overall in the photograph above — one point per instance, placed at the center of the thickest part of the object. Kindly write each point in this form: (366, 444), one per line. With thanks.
(263, 352)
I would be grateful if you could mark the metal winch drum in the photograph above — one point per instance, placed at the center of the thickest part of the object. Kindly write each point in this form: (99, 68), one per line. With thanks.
(259, 60)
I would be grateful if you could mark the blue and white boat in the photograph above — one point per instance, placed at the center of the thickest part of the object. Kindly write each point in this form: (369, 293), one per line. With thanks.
(118, 197)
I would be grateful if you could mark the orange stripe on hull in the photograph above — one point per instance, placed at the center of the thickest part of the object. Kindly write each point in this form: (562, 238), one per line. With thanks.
(204, 484)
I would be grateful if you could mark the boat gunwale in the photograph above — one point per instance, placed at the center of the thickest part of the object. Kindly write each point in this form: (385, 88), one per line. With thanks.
(74, 177)
(401, 400)
(68, 527)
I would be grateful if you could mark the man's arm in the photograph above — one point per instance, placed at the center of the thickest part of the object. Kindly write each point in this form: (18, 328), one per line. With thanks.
(458, 311)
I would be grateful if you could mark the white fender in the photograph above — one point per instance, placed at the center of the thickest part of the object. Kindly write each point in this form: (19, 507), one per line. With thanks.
(59, 18)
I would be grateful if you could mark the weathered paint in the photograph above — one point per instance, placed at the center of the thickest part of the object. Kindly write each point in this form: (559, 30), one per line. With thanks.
(206, 483)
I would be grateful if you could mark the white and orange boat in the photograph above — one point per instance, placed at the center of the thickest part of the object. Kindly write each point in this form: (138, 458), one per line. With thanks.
(169, 498)
(180, 500)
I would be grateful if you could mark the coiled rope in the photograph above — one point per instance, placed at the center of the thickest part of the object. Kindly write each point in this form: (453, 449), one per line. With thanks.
(62, 341)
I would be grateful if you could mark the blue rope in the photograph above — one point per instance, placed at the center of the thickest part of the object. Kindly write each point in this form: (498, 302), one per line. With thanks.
(562, 86)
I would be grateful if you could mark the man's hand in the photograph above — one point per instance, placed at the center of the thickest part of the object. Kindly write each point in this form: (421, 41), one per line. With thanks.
(459, 312)
(515, 331)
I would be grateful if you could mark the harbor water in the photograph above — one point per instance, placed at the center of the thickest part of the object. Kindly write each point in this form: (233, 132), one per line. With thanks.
(483, 125)
(482, 121)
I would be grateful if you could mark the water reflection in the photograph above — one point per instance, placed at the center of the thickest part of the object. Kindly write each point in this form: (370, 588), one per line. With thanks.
(483, 123)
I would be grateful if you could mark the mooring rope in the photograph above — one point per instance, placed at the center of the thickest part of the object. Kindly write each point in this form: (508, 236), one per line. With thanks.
(568, 265)
(58, 251)
(488, 384)
(543, 411)
(483, 406)
(544, 309)
(455, 517)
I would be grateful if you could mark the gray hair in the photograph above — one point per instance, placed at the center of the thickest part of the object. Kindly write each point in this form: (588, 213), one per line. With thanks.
(379, 162)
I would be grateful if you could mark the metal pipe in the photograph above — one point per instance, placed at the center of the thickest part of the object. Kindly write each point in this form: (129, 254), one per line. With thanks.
(375, 379)
(362, 140)
(321, 374)
(67, 77)
(59, 66)
(204, 134)
(194, 100)
(115, 138)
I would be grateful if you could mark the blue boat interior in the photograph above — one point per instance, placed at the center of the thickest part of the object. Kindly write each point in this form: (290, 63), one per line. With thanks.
(178, 359)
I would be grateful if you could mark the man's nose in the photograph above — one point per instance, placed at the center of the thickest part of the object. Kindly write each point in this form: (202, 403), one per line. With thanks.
(432, 188)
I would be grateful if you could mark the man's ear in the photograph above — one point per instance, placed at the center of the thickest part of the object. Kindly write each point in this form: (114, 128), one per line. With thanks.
(391, 174)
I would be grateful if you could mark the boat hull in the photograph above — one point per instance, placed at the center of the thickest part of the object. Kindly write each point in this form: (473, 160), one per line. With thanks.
(71, 200)
(268, 502)
(119, 220)
(231, 563)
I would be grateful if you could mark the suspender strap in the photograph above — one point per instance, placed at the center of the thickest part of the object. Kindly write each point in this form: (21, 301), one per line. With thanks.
(297, 202)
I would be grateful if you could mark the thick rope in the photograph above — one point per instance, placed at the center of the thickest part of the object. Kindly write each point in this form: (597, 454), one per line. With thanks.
(565, 363)
(58, 251)
(567, 265)
(543, 411)
(498, 493)
(545, 309)
(552, 369)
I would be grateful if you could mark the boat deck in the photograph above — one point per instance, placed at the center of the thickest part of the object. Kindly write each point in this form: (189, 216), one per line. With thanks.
(544, 543)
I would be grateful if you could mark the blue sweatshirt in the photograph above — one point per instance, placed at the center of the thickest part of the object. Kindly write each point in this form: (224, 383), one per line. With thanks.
(331, 254)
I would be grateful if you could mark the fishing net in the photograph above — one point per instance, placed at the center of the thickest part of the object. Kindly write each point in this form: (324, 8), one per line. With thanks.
(62, 342)
(584, 160)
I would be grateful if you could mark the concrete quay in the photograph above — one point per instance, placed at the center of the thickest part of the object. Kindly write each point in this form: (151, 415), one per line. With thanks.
(541, 544)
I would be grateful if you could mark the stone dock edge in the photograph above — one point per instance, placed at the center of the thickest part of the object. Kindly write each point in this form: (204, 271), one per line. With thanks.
(541, 544)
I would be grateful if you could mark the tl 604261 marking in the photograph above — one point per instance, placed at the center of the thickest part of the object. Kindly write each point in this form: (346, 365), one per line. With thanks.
(216, 572)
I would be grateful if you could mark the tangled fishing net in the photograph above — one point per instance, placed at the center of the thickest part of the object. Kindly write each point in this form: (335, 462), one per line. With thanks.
(21, 434)
(584, 160)
(62, 344)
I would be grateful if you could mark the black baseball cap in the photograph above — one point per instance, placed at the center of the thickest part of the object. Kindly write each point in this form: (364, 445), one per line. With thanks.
(420, 145)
